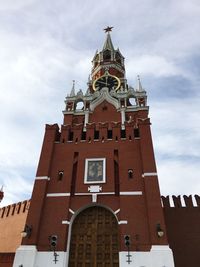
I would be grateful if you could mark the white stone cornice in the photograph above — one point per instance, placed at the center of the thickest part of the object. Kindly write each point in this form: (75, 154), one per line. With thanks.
(122, 193)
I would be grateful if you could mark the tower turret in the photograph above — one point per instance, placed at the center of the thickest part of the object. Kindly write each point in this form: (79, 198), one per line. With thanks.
(108, 60)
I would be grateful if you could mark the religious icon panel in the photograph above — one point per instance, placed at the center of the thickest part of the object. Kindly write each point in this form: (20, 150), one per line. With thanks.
(95, 170)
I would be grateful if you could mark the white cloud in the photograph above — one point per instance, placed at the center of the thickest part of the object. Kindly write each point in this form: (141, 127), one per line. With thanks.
(177, 127)
(155, 65)
(176, 131)
(14, 4)
(16, 186)
(178, 178)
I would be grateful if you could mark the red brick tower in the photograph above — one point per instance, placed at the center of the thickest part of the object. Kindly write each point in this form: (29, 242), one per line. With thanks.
(96, 199)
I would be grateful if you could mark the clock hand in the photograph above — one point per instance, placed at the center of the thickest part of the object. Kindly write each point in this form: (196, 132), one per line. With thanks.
(106, 80)
(102, 82)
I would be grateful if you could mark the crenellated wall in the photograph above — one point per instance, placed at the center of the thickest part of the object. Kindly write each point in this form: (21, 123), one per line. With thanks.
(96, 132)
(12, 221)
(181, 201)
(182, 218)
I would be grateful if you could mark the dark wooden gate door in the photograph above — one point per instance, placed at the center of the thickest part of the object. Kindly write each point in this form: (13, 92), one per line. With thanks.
(94, 239)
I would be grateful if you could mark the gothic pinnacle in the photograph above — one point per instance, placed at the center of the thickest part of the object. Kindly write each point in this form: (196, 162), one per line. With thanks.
(139, 85)
(72, 93)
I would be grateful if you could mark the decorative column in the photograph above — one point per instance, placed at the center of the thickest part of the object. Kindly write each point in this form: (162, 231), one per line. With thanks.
(123, 117)
(86, 119)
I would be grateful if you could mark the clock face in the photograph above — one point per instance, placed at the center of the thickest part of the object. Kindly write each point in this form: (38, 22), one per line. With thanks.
(112, 82)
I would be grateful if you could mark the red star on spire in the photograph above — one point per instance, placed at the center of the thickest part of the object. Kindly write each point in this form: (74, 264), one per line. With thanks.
(108, 29)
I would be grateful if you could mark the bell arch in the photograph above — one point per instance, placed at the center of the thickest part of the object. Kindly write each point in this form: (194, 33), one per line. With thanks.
(94, 239)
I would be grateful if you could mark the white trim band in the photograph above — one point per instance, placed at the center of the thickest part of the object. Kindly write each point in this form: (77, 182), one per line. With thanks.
(42, 178)
(65, 222)
(117, 211)
(58, 195)
(131, 193)
(89, 194)
(123, 222)
(70, 210)
(128, 193)
(149, 174)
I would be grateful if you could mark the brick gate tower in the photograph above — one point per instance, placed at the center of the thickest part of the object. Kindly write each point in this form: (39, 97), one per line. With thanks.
(96, 199)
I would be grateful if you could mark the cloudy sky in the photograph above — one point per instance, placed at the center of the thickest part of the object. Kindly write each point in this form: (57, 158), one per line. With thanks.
(45, 44)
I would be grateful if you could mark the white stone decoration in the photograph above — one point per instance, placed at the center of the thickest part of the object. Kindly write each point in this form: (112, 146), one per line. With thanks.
(104, 95)
(94, 189)
(158, 256)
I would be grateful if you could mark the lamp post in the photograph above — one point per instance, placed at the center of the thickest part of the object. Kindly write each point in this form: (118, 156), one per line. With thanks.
(127, 243)
(27, 231)
(159, 230)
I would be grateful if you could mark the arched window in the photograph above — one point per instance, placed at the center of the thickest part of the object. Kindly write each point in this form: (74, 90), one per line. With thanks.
(131, 101)
(79, 105)
(107, 55)
(96, 60)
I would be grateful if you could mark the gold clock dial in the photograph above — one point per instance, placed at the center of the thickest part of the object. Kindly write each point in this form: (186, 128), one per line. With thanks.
(109, 81)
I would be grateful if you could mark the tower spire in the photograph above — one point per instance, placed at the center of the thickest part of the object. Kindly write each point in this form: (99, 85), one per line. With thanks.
(108, 42)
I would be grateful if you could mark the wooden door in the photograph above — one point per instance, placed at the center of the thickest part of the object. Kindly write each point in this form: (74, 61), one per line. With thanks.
(94, 239)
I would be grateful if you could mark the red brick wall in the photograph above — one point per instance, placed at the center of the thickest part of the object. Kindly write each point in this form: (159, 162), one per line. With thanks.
(183, 230)
(6, 259)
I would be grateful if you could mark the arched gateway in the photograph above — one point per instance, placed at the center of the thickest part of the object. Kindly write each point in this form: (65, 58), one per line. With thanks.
(94, 239)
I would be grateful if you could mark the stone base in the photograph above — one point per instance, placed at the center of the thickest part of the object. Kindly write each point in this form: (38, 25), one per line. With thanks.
(158, 256)
(28, 256)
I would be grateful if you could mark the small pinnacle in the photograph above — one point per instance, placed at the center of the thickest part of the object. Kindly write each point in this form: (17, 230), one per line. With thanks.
(139, 85)
(72, 93)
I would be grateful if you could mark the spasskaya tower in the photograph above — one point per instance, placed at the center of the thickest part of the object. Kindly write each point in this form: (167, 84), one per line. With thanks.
(96, 199)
